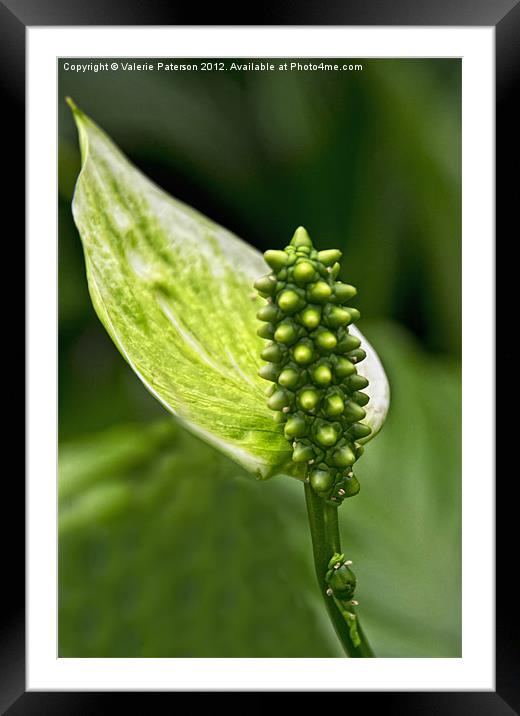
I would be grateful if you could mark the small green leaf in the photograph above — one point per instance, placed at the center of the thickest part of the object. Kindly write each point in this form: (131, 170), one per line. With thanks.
(175, 292)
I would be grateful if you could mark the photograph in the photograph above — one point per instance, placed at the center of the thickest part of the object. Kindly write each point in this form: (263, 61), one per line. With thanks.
(259, 357)
(260, 311)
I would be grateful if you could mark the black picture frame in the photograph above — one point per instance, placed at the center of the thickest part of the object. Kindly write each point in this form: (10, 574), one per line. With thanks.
(15, 16)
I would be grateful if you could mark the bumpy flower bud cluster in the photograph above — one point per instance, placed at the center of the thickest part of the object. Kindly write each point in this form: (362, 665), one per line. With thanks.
(316, 391)
(340, 579)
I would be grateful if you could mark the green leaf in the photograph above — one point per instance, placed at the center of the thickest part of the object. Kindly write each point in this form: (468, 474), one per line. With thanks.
(166, 550)
(175, 292)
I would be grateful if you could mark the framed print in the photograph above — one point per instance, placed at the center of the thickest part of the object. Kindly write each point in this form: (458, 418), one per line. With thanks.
(170, 363)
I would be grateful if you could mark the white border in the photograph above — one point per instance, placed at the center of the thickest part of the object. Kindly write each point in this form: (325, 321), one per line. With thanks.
(475, 670)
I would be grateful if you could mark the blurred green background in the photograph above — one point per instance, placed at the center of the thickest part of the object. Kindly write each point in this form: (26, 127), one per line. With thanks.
(167, 548)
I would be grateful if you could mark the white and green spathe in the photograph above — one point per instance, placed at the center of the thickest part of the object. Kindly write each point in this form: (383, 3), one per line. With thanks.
(175, 292)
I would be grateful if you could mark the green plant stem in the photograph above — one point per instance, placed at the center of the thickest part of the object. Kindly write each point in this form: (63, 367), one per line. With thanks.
(323, 523)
